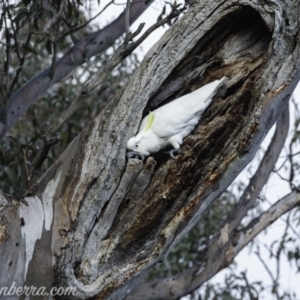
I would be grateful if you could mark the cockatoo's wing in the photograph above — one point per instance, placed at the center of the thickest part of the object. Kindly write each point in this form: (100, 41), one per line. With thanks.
(182, 114)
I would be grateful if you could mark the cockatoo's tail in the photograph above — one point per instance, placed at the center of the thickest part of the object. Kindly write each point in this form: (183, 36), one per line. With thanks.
(171, 123)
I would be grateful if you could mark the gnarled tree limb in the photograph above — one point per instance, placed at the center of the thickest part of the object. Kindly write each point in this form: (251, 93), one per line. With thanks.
(104, 221)
(191, 279)
(215, 258)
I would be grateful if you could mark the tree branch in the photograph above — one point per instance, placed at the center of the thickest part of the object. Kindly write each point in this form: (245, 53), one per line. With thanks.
(84, 24)
(84, 49)
(226, 234)
(55, 20)
(122, 52)
(257, 252)
(87, 178)
(127, 14)
(25, 46)
(54, 45)
(191, 279)
(42, 156)
(268, 217)
(7, 62)
(262, 174)
(248, 286)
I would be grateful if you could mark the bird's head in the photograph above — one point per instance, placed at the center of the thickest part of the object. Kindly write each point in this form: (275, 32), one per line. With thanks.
(137, 145)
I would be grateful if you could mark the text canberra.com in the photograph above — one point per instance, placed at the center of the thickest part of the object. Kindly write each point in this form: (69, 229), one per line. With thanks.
(36, 291)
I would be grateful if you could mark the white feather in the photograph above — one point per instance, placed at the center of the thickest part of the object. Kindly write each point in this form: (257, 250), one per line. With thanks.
(174, 121)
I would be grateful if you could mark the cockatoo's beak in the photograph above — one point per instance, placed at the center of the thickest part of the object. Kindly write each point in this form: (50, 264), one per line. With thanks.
(134, 154)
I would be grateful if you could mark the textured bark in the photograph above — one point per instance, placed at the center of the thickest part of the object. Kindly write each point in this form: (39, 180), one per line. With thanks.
(101, 222)
(228, 240)
(186, 282)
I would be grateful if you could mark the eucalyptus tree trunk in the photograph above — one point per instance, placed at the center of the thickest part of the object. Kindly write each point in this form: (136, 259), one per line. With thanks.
(97, 222)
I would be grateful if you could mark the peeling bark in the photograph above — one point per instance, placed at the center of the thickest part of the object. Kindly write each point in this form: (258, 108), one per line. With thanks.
(103, 221)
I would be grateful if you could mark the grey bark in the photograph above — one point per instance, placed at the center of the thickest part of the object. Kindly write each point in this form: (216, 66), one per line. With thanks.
(102, 221)
(186, 282)
(228, 240)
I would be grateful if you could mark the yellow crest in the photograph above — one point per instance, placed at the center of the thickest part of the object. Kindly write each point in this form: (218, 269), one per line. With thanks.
(149, 121)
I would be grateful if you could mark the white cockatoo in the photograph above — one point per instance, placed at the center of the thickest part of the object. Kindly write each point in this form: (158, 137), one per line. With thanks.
(169, 124)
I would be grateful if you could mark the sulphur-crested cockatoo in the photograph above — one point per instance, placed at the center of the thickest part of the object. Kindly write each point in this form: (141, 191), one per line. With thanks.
(169, 124)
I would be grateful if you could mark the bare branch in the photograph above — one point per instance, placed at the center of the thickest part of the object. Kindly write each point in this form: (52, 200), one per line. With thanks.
(130, 35)
(23, 57)
(286, 159)
(56, 22)
(281, 249)
(54, 56)
(191, 279)
(75, 56)
(42, 155)
(56, 19)
(295, 232)
(13, 30)
(277, 256)
(262, 174)
(172, 14)
(248, 286)
(257, 252)
(72, 30)
(25, 166)
(121, 53)
(127, 12)
(7, 62)
(291, 184)
(268, 217)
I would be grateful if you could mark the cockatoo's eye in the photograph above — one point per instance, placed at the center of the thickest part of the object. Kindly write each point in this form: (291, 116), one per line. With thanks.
(136, 146)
